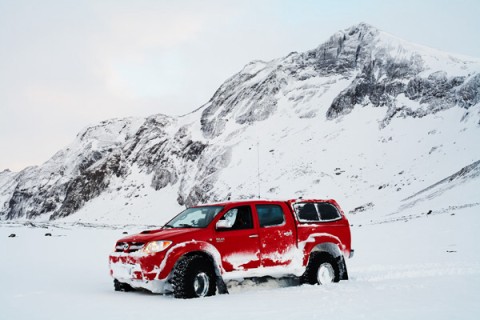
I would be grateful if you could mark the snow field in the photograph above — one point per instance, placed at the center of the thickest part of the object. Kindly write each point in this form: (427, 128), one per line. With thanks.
(426, 267)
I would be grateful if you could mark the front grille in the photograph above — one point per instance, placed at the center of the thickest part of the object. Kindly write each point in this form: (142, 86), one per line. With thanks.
(128, 246)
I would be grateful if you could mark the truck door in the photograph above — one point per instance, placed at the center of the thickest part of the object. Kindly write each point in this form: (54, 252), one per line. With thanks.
(276, 233)
(237, 240)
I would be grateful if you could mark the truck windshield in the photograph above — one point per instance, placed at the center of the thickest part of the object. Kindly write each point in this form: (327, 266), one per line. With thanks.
(198, 217)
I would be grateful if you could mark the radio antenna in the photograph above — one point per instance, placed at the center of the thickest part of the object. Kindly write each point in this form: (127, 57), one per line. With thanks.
(258, 167)
(258, 158)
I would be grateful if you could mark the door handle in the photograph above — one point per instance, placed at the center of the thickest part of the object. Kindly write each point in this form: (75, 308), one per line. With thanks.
(253, 236)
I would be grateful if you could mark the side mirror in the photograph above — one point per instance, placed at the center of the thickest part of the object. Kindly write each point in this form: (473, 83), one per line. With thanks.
(223, 224)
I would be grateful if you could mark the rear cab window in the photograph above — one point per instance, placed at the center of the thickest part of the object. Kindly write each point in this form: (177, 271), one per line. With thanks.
(309, 212)
(270, 215)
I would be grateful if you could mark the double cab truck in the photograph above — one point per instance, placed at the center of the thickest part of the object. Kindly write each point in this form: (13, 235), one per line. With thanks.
(195, 253)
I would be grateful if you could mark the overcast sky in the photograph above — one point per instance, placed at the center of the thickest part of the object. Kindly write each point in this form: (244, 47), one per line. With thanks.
(65, 65)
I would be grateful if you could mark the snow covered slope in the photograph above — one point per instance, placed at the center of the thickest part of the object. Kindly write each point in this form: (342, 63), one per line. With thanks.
(366, 118)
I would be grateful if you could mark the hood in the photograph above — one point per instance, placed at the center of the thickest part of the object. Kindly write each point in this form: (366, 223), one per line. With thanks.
(158, 234)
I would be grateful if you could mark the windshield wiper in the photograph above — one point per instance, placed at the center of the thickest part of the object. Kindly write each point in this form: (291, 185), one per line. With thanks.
(184, 225)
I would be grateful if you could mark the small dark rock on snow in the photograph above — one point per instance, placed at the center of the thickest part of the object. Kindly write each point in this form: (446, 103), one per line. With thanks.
(13, 235)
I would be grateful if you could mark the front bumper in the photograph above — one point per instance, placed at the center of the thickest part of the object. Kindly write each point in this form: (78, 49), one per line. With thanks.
(138, 271)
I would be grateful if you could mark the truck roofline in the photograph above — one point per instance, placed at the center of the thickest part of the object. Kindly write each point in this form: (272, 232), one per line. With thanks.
(250, 201)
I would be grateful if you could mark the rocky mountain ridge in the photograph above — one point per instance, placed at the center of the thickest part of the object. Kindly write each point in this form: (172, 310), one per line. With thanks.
(327, 122)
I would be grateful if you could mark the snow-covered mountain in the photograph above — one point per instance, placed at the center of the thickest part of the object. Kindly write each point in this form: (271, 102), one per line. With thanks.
(380, 124)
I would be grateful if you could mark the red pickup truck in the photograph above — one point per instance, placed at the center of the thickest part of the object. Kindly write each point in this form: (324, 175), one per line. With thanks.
(202, 247)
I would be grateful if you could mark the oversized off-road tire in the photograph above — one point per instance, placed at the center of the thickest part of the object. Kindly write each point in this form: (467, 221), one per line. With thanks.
(322, 268)
(193, 277)
(120, 286)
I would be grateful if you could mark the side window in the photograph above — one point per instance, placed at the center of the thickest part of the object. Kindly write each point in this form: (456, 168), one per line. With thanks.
(328, 211)
(316, 212)
(307, 212)
(238, 218)
(270, 215)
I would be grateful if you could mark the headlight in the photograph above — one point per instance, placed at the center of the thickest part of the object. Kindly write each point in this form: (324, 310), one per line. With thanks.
(156, 246)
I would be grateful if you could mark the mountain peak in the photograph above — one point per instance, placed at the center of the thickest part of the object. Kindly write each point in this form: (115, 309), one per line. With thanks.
(285, 106)
(362, 33)
(361, 27)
